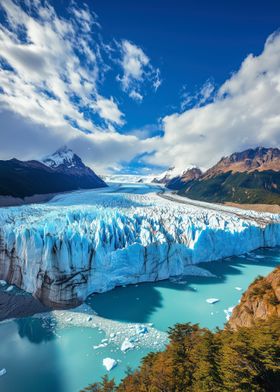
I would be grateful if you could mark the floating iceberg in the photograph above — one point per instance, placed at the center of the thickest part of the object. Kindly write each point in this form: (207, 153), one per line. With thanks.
(109, 363)
(93, 241)
(212, 300)
(3, 372)
(126, 345)
(101, 345)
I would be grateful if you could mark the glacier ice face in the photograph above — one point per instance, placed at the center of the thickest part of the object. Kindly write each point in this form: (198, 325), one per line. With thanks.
(93, 241)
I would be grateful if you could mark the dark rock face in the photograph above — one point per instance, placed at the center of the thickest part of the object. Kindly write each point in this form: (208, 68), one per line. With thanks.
(21, 179)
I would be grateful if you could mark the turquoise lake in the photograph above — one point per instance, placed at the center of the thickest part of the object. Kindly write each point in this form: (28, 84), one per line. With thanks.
(38, 358)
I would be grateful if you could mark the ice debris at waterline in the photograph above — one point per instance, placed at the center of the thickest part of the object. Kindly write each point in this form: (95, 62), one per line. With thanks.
(125, 336)
(93, 241)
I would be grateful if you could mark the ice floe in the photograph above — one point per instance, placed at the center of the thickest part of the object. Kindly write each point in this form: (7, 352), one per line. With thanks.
(126, 345)
(212, 300)
(109, 363)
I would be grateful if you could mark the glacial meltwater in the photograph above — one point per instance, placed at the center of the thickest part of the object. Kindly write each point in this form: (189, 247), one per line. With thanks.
(59, 352)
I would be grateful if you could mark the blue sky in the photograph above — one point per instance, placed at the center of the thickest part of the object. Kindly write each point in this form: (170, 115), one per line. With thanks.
(139, 86)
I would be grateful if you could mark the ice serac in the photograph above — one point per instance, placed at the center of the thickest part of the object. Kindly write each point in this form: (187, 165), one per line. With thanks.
(93, 241)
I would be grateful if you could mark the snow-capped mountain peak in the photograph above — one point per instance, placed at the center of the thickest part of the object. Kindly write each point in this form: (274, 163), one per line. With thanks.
(65, 157)
(170, 173)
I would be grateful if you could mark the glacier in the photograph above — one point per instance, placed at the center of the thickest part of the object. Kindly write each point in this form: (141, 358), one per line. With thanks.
(92, 241)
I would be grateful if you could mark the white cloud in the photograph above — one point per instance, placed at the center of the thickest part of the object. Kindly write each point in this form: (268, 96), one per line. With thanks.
(136, 96)
(203, 95)
(51, 69)
(137, 69)
(244, 114)
(46, 80)
(100, 151)
(108, 109)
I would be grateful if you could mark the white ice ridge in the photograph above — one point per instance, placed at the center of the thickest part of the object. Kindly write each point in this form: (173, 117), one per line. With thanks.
(93, 241)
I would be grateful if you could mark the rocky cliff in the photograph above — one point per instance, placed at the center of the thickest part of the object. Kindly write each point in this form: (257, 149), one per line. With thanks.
(259, 302)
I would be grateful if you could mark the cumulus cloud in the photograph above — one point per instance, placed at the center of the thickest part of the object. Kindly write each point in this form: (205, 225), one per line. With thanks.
(137, 69)
(108, 109)
(244, 113)
(101, 151)
(51, 70)
(42, 75)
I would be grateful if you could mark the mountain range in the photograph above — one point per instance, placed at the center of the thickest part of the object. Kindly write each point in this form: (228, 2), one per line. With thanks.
(59, 172)
(250, 176)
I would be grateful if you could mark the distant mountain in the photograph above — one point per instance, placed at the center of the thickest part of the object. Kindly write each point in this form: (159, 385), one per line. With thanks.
(185, 179)
(258, 159)
(60, 172)
(251, 176)
(64, 159)
(174, 178)
(164, 177)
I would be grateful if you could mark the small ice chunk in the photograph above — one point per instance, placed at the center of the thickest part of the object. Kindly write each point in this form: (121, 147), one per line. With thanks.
(141, 329)
(112, 335)
(100, 346)
(238, 288)
(3, 282)
(228, 312)
(10, 288)
(212, 300)
(109, 363)
(126, 345)
(2, 372)
(89, 318)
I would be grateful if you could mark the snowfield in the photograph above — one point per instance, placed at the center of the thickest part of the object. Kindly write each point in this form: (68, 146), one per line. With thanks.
(92, 241)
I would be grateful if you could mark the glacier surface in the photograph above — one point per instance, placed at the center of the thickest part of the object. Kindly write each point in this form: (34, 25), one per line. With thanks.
(94, 240)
